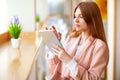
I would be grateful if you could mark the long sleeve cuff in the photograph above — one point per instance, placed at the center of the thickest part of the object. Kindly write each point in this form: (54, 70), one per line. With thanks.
(72, 66)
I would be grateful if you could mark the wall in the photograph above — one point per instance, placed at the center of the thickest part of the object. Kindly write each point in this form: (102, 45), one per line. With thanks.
(24, 9)
(3, 16)
(118, 41)
(42, 9)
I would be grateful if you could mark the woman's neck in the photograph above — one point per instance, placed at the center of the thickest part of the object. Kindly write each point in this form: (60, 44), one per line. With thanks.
(84, 37)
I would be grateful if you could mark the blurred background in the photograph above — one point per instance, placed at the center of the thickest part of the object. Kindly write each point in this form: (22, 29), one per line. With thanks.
(35, 13)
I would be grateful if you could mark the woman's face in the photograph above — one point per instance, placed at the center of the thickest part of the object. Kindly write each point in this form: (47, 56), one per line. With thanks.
(79, 22)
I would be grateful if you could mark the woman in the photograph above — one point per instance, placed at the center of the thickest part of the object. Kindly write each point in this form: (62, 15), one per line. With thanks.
(85, 54)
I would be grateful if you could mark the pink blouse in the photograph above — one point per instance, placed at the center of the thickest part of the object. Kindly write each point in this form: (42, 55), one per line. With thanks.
(91, 58)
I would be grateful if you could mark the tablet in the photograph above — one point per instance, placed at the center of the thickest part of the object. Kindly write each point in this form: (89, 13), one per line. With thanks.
(49, 38)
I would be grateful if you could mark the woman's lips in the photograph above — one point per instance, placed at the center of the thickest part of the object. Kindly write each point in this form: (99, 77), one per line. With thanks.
(77, 25)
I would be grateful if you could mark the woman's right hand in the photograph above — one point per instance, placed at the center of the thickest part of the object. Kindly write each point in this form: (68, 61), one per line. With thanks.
(58, 34)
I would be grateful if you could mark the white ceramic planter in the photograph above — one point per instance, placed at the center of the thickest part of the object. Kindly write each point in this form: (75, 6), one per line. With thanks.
(15, 42)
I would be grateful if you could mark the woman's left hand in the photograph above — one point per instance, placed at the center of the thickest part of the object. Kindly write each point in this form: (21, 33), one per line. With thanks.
(61, 53)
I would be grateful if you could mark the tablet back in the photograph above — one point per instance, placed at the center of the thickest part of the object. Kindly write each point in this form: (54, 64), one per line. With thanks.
(49, 38)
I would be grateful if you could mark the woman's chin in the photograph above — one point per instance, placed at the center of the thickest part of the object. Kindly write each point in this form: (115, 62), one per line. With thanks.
(77, 29)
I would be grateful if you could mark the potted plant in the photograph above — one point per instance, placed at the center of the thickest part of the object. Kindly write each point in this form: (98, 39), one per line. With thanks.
(37, 20)
(14, 30)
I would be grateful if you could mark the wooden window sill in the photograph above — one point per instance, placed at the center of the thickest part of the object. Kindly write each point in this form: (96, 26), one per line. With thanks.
(4, 37)
(17, 63)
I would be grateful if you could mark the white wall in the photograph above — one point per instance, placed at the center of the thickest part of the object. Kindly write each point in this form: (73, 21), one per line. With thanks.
(118, 42)
(24, 9)
(3, 16)
(42, 9)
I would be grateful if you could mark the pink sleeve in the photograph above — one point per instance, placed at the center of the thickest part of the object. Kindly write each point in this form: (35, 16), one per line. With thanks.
(98, 64)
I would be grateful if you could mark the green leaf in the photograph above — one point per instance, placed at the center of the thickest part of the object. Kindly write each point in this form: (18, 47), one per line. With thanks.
(15, 30)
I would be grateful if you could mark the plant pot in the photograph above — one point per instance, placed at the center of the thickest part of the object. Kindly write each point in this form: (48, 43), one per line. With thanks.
(37, 26)
(15, 42)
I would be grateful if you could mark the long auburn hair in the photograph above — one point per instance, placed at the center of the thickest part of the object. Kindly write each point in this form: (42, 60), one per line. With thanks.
(92, 16)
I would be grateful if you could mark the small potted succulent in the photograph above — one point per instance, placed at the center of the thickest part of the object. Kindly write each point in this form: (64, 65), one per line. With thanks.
(37, 19)
(14, 30)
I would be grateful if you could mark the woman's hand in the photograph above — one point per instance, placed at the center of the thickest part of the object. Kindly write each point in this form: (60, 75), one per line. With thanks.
(58, 34)
(61, 53)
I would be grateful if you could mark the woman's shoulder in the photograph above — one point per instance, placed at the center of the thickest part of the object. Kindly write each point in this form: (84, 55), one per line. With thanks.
(100, 44)
(101, 49)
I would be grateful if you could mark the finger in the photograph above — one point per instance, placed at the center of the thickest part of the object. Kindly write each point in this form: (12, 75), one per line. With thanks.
(55, 51)
(59, 35)
(54, 29)
(56, 47)
(46, 28)
(61, 53)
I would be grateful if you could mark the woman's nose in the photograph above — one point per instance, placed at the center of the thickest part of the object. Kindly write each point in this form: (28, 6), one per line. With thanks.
(76, 20)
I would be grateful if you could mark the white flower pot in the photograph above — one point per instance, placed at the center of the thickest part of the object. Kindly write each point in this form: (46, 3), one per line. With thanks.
(37, 26)
(15, 42)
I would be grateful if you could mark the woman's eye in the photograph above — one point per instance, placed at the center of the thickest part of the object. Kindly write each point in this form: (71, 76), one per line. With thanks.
(75, 17)
(81, 17)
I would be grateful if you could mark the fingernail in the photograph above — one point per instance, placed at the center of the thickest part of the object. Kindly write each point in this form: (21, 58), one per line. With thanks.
(53, 27)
